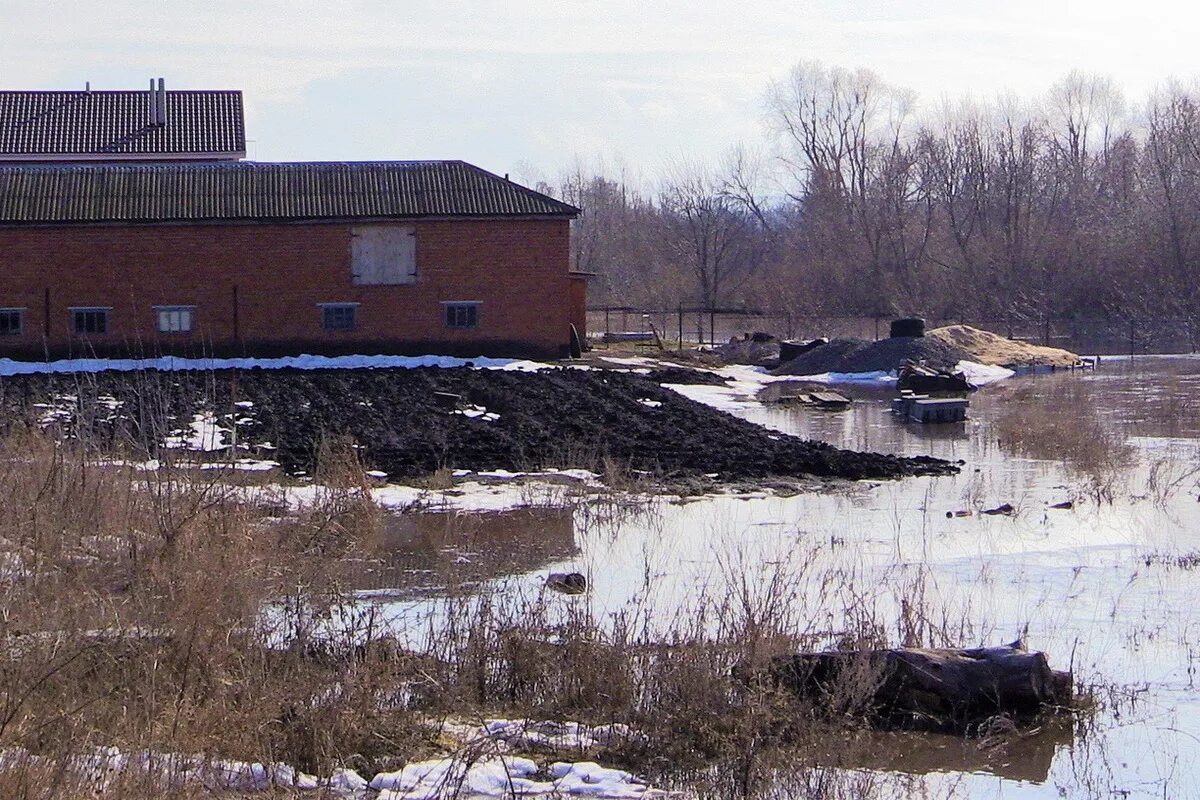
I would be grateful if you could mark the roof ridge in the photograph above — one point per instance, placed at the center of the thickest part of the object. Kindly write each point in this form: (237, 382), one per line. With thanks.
(522, 187)
(262, 191)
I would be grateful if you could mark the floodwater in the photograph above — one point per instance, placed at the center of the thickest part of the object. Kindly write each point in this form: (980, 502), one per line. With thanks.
(1109, 587)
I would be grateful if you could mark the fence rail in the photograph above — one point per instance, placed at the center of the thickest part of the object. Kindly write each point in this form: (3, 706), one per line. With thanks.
(700, 327)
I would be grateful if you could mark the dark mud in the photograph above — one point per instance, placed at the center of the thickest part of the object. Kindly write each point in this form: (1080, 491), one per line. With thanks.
(553, 418)
(685, 375)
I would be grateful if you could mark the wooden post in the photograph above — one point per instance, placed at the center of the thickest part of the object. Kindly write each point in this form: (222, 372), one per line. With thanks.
(237, 331)
(46, 324)
(607, 330)
(681, 327)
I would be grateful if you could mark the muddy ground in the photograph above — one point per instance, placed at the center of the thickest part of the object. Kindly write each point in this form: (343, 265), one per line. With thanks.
(553, 418)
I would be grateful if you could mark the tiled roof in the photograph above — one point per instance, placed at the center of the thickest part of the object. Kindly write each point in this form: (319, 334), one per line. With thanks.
(250, 191)
(120, 124)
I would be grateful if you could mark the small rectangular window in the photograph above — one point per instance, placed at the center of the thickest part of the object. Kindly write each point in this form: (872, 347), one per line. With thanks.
(338, 316)
(462, 315)
(10, 321)
(174, 319)
(86, 321)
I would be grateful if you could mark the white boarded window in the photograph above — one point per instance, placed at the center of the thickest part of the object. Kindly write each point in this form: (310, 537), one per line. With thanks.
(174, 319)
(383, 254)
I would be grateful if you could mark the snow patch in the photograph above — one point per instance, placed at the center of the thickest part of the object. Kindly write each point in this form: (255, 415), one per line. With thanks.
(501, 776)
(174, 363)
(525, 734)
(977, 374)
(982, 374)
(505, 776)
(242, 465)
(467, 496)
(477, 412)
(203, 435)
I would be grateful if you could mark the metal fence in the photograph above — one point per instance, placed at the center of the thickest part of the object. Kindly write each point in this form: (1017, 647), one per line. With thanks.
(700, 327)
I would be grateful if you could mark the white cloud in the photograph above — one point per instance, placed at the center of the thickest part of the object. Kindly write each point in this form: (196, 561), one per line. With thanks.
(538, 80)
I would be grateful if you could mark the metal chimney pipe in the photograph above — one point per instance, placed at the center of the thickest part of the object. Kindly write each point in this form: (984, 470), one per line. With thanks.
(161, 118)
(153, 103)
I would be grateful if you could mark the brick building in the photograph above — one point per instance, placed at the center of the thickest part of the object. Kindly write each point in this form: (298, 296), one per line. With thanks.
(130, 225)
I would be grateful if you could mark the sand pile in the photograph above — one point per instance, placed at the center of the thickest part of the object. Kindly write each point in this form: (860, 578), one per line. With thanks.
(989, 348)
(885, 355)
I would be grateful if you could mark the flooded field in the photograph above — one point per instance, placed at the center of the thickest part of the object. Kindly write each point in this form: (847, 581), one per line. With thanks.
(1105, 583)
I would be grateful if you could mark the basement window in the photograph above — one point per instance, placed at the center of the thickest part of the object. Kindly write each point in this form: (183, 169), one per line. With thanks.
(462, 315)
(338, 316)
(86, 321)
(10, 321)
(174, 319)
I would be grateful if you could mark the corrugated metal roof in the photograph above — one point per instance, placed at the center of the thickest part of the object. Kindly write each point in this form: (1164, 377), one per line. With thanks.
(251, 191)
(120, 123)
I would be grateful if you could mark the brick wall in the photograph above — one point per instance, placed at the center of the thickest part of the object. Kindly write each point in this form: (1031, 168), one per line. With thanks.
(279, 274)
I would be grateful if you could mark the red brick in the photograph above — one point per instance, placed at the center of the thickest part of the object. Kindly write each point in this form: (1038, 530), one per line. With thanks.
(518, 269)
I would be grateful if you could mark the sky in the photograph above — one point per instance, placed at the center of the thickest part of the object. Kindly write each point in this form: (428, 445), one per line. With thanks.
(532, 86)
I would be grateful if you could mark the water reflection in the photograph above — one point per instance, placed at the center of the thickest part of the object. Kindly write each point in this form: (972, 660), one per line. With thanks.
(1104, 587)
(1015, 758)
(445, 552)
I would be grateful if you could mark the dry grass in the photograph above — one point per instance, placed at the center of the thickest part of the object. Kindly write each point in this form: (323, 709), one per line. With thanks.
(164, 611)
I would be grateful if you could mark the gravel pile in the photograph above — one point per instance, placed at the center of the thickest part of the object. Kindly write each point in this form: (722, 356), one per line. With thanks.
(748, 351)
(860, 355)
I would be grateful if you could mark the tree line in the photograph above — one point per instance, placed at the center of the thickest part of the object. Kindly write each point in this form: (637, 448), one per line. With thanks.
(1076, 205)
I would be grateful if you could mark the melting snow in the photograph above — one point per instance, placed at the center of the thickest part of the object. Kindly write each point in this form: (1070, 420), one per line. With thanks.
(524, 733)
(983, 374)
(505, 776)
(205, 435)
(492, 776)
(173, 363)
(242, 465)
(477, 412)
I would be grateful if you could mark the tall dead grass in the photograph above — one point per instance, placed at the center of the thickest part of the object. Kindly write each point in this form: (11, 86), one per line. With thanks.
(163, 610)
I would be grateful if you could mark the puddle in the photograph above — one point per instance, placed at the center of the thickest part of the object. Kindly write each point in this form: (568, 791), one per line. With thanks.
(425, 553)
(1107, 587)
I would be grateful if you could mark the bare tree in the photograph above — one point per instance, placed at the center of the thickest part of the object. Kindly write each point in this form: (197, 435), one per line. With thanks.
(708, 230)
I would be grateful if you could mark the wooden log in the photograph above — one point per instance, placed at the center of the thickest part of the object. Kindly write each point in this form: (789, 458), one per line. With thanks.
(926, 689)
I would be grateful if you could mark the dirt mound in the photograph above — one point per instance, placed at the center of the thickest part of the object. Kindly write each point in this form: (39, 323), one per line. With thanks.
(860, 355)
(552, 418)
(685, 375)
(990, 348)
